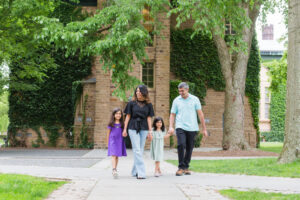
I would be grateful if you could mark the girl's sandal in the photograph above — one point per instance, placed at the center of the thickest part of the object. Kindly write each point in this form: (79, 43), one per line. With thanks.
(115, 173)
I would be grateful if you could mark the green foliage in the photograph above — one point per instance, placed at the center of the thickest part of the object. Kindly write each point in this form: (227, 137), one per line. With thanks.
(209, 16)
(14, 187)
(254, 194)
(114, 33)
(3, 112)
(50, 103)
(277, 115)
(252, 84)
(83, 142)
(195, 59)
(17, 43)
(198, 140)
(278, 74)
(257, 166)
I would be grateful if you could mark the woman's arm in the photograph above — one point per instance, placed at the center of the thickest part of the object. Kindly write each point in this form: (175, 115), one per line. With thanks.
(126, 125)
(149, 121)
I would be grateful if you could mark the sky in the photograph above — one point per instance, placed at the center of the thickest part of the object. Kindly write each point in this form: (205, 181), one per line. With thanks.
(279, 30)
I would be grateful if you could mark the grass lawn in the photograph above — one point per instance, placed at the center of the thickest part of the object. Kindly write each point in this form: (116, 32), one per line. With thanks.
(256, 195)
(271, 146)
(259, 167)
(22, 187)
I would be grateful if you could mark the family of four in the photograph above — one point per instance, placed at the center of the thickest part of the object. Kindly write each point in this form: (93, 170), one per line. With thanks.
(185, 111)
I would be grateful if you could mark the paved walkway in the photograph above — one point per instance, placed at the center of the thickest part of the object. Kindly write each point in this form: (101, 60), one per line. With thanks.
(96, 182)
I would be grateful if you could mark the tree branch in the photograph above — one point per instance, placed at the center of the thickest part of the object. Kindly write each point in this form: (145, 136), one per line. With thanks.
(104, 29)
(224, 57)
(239, 72)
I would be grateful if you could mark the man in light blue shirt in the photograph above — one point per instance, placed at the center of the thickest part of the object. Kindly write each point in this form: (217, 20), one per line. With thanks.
(185, 109)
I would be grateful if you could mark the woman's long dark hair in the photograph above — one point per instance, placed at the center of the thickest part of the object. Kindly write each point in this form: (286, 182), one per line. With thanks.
(157, 119)
(112, 118)
(144, 91)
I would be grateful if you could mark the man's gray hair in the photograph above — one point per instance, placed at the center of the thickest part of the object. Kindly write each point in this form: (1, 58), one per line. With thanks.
(183, 85)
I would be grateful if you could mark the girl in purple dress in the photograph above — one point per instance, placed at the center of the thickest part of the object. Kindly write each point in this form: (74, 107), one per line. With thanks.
(115, 143)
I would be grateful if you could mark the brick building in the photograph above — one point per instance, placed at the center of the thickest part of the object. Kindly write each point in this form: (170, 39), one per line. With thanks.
(98, 88)
(156, 74)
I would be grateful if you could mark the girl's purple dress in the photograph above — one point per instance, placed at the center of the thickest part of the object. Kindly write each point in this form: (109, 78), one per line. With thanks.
(116, 144)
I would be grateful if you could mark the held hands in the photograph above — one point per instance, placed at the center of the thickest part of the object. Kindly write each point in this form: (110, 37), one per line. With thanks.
(124, 134)
(149, 136)
(171, 131)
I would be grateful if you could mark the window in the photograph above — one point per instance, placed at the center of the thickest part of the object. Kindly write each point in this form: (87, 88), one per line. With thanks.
(267, 103)
(228, 29)
(268, 32)
(148, 74)
(267, 110)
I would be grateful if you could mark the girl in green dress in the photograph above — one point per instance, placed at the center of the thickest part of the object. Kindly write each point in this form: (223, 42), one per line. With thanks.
(157, 143)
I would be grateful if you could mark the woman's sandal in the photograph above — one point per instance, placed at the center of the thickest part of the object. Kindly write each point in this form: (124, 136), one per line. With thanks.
(140, 177)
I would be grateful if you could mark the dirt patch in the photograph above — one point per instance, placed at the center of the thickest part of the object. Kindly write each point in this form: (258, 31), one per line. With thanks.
(222, 153)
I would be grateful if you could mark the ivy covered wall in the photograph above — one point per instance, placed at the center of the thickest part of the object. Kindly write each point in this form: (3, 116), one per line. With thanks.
(196, 60)
(48, 104)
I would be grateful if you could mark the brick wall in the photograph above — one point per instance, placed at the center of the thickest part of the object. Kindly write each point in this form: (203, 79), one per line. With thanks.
(213, 112)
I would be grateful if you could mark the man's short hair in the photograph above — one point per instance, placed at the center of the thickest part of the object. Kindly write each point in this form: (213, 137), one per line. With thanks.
(183, 85)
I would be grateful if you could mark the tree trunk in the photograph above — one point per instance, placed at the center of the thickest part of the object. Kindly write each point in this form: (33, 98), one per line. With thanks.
(291, 147)
(234, 71)
(233, 133)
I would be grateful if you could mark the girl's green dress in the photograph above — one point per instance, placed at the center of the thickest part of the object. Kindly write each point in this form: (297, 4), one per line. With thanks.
(157, 145)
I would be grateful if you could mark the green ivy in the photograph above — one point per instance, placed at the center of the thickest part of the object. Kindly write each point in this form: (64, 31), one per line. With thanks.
(277, 115)
(195, 59)
(49, 104)
(252, 85)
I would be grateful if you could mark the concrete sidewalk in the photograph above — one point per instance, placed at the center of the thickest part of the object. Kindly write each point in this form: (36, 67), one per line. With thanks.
(164, 187)
(197, 186)
(96, 182)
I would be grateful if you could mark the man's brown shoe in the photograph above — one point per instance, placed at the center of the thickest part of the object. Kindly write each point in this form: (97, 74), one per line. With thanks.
(187, 172)
(179, 172)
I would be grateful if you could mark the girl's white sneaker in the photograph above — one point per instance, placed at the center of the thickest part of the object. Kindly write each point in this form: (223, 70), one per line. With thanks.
(156, 174)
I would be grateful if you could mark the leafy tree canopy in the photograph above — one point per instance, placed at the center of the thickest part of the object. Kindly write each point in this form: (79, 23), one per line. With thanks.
(278, 72)
(211, 17)
(114, 33)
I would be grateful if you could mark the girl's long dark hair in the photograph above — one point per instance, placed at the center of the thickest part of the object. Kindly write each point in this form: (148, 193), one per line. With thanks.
(157, 119)
(112, 118)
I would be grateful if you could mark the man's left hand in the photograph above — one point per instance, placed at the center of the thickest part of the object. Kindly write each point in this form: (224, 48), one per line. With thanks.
(205, 134)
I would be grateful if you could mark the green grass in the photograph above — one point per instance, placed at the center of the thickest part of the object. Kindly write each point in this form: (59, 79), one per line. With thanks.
(22, 187)
(4, 121)
(259, 167)
(256, 195)
(271, 146)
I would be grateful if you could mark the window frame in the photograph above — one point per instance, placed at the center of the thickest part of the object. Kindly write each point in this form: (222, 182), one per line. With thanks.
(142, 74)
